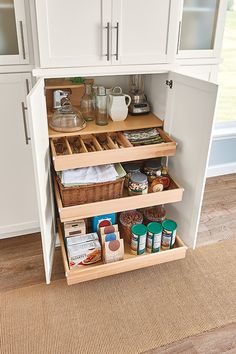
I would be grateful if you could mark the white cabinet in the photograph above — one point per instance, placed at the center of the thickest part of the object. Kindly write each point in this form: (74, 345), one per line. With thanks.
(187, 107)
(106, 32)
(143, 32)
(17, 187)
(203, 72)
(13, 33)
(201, 28)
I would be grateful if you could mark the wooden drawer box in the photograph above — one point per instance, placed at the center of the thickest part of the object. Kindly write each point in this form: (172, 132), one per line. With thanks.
(98, 149)
(174, 194)
(130, 262)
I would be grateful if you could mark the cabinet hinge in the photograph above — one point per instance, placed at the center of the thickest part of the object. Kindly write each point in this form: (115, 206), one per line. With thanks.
(169, 83)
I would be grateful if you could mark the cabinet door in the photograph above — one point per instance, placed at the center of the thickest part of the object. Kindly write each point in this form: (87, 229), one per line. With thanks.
(18, 204)
(201, 28)
(73, 33)
(203, 72)
(13, 33)
(144, 32)
(41, 156)
(189, 120)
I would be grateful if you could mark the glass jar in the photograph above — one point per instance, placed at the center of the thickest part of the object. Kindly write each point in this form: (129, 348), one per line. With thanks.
(101, 106)
(129, 169)
(87, 104)
(138, 184)
(127, 220)
(155, 213)
(152, 169)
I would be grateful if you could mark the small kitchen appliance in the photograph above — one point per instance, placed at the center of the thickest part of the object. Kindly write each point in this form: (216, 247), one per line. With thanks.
(60, 97)
(139, 103)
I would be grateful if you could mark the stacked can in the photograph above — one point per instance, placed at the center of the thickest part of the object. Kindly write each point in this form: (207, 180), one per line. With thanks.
(154, 236)
(138, 240)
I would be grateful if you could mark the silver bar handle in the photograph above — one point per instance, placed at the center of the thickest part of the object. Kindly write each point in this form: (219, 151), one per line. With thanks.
(108, 41)
(179, 33)
(27, 138)
(22, 40)
(117, 40)
(27, 86)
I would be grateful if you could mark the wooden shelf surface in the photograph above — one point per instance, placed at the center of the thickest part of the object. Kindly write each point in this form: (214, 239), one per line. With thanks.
(54, 84)
(131, 123)
(130, 262)
(175, 194)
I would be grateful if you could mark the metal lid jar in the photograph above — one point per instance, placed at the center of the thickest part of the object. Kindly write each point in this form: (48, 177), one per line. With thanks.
(129, 169)
(138, 184)
(152, 168)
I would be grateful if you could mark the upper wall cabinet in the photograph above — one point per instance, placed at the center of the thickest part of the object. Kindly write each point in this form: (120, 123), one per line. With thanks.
(106, 32)
(201, 28)
(13, 34)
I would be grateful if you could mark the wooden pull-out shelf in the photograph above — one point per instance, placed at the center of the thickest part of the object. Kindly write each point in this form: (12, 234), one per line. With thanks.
(130, 262)
(174, 194)
(98, 149)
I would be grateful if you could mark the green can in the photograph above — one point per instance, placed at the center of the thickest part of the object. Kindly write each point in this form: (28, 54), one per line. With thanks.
(168, 234)
(138, 240)
(154, 235)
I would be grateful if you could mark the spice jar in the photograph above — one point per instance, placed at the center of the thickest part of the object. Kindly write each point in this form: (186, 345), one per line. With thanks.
(127, 220)
(138, 184)
(155, 213)
(152, 169)
(129, 169)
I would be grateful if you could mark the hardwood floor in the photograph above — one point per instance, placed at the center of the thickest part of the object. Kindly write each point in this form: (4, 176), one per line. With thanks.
(218, 341)
(21, 263)
(218, 216)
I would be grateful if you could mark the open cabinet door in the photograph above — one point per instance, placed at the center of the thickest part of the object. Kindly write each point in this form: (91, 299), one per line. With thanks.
(40, 147)
(189, 120)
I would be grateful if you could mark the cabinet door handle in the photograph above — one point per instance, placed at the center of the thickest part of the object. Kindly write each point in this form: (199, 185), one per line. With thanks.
(27, 138)
(179, 33)
(108, 41)
(27, 86)
(22, 40)
(117, 40)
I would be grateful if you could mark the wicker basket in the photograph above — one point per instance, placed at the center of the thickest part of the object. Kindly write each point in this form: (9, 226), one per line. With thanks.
(90, 193)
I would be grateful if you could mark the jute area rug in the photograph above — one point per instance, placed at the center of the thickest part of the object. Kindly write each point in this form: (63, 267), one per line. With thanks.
(128, 313)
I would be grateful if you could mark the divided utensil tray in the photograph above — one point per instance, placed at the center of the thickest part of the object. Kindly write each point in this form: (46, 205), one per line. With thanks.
(110, 147)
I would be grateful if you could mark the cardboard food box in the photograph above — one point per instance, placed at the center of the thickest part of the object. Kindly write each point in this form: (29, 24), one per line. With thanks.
(75, 228)
(84, 253)
(81, 239)
(114, 251)
(108, 229)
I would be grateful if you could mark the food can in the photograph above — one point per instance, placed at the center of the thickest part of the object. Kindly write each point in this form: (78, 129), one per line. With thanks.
(168, 234)
(138, 240)
(154, 235)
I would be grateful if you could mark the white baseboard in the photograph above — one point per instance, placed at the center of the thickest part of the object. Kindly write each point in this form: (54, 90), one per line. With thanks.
(19, 229)
(219, 170)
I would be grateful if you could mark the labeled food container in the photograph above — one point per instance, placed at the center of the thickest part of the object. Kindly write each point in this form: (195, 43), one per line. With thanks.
(127, 220)
(168, 234)
(138, 240)
(152, 169)
(155, 213)
(154, 235)
(138, 184)
(159, 184)
(129, 169)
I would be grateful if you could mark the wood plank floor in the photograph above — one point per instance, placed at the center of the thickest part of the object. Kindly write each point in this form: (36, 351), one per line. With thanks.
(21, 263)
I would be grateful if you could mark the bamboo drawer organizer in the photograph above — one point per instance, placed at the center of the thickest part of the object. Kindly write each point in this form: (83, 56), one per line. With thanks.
(96, 145)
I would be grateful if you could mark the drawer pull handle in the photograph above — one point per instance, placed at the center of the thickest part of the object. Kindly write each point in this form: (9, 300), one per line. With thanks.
(27, 138)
